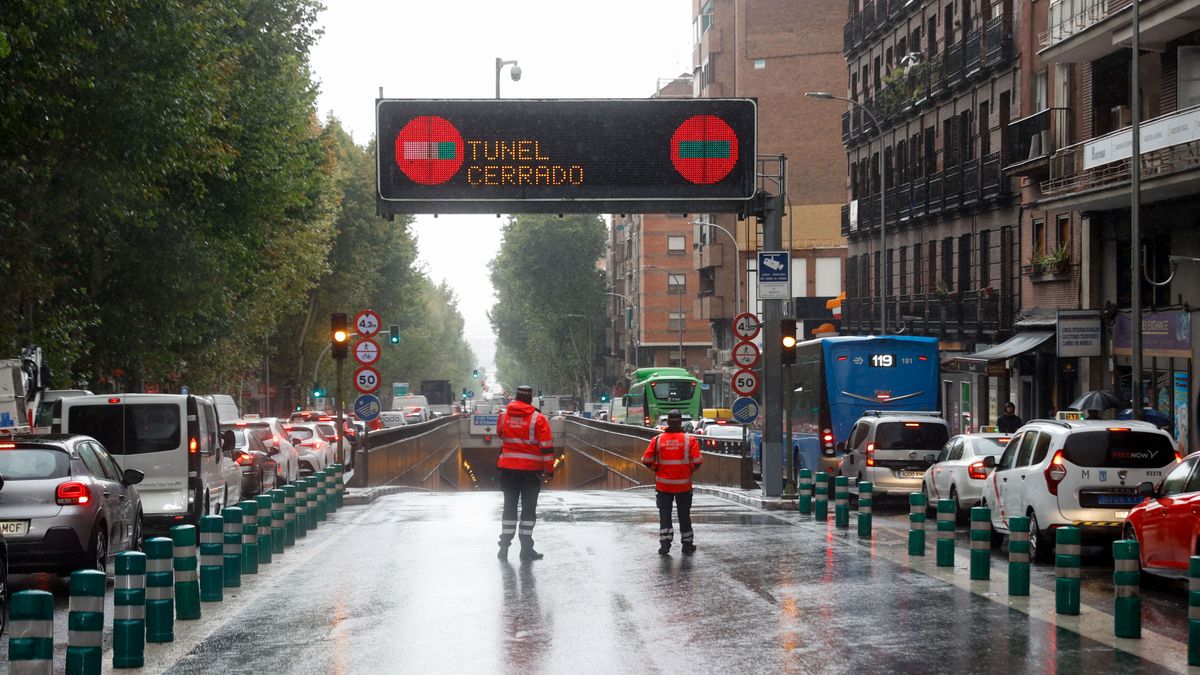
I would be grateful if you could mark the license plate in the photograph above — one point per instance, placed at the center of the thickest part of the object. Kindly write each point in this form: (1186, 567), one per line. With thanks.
(912, 474)
(1118, 500)
(14, 528)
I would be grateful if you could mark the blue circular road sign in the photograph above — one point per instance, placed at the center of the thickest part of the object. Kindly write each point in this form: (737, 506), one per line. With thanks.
(745, 410)
(367, 407)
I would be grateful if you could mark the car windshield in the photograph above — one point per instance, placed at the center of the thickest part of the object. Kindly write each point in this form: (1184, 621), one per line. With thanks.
(990, 446)
(1119, 448)
(723, 431)
(33, 463)
(911, 436)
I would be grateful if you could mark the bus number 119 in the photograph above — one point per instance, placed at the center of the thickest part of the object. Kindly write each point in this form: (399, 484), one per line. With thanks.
(883, 360)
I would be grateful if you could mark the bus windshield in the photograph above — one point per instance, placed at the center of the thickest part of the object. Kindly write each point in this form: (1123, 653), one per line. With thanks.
(674, 391)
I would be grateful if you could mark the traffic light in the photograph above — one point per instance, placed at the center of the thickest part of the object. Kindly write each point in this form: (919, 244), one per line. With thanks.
(604, 398)
(394, 334)
(318, 392)
(787, 338)
(339, 334)
(475, 374)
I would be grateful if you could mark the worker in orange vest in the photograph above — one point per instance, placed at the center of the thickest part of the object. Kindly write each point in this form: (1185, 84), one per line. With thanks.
(673, 456)
(526, 456)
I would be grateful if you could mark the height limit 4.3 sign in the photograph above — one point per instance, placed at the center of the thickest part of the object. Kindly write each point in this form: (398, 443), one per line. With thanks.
(566, 156)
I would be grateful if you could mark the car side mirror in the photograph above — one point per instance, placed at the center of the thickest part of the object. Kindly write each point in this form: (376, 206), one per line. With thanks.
(1145, 489)
(132, 476)
(274, 450)
(989, 462)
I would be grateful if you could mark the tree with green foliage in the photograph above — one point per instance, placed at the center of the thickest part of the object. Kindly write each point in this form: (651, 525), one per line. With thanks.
(546, 277)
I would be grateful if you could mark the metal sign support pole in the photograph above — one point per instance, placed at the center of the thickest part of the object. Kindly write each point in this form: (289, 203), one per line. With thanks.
(769, 209)
(341, 412)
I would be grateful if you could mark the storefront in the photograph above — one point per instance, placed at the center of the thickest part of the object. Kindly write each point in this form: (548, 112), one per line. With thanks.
(1168, 351)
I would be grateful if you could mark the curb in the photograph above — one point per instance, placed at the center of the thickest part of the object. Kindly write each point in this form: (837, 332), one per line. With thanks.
(360, 496)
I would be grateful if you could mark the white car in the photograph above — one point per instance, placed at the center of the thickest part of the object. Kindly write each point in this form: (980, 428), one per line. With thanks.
(1075, 472)
(958, 473)
(892, 450)
(270, 432)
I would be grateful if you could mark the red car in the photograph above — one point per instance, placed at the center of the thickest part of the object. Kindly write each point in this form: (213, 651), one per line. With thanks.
(1167, 524)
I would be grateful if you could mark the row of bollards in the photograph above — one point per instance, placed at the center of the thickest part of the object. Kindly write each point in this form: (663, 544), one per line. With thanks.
(1127, 612)
(169, 581)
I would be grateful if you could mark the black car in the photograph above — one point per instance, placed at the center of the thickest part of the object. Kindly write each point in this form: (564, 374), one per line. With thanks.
(259, 469)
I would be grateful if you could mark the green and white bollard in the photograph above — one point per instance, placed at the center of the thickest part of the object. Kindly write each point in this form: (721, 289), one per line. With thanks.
(289, 515)
(264, 529)
(85, 622)
(1127, 582)
(129, 610)
(313, 520)
(945, 533)
(981, 543)
(866, 498)
(916, 523)
(249, 536)
(806, 488)
(187, 578)
(31, 633)
(233, 546)
(318, 479)
(1194, 611)
(821, 500)
(160, 590)
(841, 502)
(330, 491)
(277, 524)
(301, 508)
(1018, 555)
(212, 559)
(1067, 546)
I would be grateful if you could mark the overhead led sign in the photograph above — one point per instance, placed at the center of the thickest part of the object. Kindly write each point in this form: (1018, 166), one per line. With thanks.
(566, 156)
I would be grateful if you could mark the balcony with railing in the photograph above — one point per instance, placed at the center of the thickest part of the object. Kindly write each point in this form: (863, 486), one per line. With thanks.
(998, 41)
(920, 194)
(937, 75)
(953, 69)
(1071, 19)
(845, 220)
(869, 25)
(892, 206)
(852, 34)
(992, 182)
(1034, 138)
(973, 52)
(970, 182)
(934, 202)
(846, 128)
(952, 187)
(905, 199)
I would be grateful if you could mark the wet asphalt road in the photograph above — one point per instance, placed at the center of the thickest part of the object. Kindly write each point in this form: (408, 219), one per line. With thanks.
(410, 583)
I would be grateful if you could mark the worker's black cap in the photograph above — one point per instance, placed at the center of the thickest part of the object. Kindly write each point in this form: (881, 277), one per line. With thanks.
(674, 415)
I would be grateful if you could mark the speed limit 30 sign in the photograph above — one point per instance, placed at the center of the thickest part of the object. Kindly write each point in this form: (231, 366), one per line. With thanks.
(366, 380)
(744, 382)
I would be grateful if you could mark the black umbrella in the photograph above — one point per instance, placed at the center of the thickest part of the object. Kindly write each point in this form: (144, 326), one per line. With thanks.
(1099, 400)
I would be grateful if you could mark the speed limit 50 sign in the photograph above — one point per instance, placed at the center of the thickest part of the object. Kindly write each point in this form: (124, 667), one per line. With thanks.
(366, 380)
(744, 382)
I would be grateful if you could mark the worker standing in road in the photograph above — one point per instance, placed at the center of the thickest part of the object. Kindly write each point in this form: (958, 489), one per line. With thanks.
(673, 456)
(526, 456)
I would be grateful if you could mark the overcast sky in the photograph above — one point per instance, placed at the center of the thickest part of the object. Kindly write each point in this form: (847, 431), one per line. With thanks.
(448, 49)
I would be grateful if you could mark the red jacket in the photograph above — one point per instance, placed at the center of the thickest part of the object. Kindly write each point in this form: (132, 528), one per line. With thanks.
(528, 444)
(673, 456)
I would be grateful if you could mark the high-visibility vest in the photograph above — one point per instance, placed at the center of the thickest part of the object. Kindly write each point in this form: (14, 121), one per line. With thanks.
(673, 455)
(527, 443)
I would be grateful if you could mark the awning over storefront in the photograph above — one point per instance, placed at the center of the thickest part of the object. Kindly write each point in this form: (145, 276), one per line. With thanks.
(1014, 346)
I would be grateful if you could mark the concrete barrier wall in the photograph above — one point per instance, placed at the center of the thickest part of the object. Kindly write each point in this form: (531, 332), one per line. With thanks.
(409, 455)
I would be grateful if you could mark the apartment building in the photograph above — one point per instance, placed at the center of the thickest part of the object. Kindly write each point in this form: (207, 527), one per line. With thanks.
(772, 51)
(1073, 153)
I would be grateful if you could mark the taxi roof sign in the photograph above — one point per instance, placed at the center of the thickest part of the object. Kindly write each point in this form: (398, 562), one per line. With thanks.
(1070, 415)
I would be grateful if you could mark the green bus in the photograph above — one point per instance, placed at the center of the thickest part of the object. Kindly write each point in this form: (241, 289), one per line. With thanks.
(657, 391)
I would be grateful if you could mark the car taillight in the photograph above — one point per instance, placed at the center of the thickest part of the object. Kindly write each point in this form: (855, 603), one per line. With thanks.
(1178, 456)
(72, 493)
(245, 459)
(647, 421)
(1055, 472)
(870, 454)
(10, 446)
(977, 471)
(193, 445)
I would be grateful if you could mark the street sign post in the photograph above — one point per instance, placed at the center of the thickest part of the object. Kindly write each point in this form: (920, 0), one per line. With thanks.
(774, 275)
(366, 380)
(744, 382)
(566, 156)
(366, 352)
(367, 407)
(745, 410)
(367, 323)
(746, 326)
(746, 354)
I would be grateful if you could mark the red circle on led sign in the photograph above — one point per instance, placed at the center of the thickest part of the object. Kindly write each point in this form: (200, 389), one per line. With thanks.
(429, 150)
(704, 149)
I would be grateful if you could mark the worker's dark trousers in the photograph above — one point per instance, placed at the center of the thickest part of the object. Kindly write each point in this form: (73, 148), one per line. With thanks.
(683, 500)
(524, 485)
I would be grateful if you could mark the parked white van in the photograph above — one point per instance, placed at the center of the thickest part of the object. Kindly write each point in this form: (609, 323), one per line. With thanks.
(171, 438)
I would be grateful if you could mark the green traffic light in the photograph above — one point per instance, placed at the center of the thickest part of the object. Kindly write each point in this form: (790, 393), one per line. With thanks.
(475, 374)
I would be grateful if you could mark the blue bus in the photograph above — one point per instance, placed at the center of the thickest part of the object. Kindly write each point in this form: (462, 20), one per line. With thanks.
(837, 379)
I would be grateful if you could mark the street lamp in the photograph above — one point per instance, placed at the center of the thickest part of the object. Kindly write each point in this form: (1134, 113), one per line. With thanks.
(591, 353)
(738, 270)
(628, 329)
(669, 273)
(883, 262)
(515, 72)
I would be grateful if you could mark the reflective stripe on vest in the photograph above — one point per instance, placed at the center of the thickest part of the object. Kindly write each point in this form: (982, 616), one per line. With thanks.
(521, 452)
(675, 470)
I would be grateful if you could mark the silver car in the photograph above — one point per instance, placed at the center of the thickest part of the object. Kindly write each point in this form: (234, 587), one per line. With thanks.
(66, 504)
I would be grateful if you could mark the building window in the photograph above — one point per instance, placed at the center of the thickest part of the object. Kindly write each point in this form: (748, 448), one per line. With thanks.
(828, 277)
(676, 358)
(985, 259)
(964, 263)
(1063, 225)
(703, 22)
(931, 258)
(676, 244)
(948, 263)
(675, 321)
(916, 282)
(676, 283)
(902, 288)
(799, 278)
(1040, 99)
(1039, 238)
